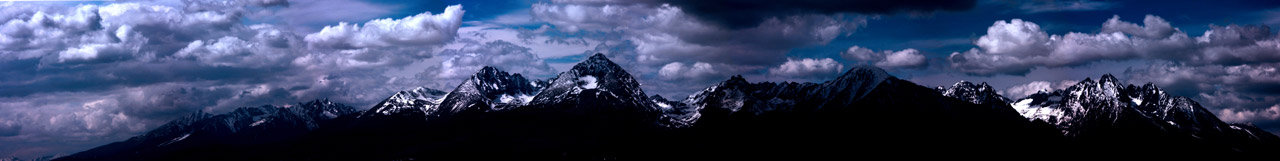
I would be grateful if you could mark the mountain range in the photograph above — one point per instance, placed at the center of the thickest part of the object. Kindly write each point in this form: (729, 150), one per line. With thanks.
(598, 111)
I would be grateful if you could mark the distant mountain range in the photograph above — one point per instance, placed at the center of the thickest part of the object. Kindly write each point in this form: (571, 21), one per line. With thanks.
(597, 111)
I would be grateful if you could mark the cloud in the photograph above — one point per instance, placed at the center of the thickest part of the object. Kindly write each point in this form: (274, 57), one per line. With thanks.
(646, 37)
(906, 58)
(1063, 6)
(9, 128)
(1153, 27)
(739, 14)
(1189, 79)
(1232, 115)
(85, 75)
(311, 15)
(808, 68)
(1024, 90)
(1015, 47)
(421, 29)
(665, 34)
(506, 56)
(677, 70)
(1239, 93)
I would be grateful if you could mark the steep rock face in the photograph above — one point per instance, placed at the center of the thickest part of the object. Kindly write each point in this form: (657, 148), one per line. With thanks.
(1106, 112)
(864, 107)
(419, 102)
(975, 93)
(202, 131)
(675, 114)
(596, 111)
(737, 95)
(491, 89)
(597, 82)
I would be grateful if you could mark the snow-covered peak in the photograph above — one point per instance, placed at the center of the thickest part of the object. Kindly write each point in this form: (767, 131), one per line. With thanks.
(419, 101)
(597, 76)
(977, 94)
(1089, 104)
(489, 88)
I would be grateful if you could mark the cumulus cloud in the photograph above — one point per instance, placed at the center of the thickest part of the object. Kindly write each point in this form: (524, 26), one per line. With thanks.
(1015, 47)
(1232, 115)
(1024, 90)
(677, 70)
(421, 29)
(1191, 79)
(1243, 93)
(906, 58)
(462, 63)
(808, 68)
(666, 33)
(81, 76)
(646, 37)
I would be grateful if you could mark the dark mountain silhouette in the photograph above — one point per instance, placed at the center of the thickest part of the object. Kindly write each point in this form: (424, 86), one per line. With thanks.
(597, 111)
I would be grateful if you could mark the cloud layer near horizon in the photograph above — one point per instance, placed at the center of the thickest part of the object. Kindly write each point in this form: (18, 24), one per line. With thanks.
(78, 76)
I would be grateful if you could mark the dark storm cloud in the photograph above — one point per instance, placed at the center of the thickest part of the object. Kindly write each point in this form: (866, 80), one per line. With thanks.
(9, 128)
(737, 14)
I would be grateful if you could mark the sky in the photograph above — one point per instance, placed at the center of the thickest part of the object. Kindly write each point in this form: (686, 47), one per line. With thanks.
(80, 74)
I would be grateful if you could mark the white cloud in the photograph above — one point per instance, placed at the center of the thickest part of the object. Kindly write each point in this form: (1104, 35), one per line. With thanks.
(906, 58)
(808, 68)
(646, 38)
(1153, 27)
(1235, 115)
(1237, 93)
(421, 29)
(677, 70)
(1024, 90)
(81, 76)
(1257, 78)
(506, 56)
(1016, 46)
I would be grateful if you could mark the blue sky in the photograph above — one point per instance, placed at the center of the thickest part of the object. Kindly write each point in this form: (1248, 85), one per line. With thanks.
(83, 74)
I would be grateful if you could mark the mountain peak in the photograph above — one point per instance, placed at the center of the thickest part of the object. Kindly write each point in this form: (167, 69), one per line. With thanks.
(597, 64)
(975, 93)
(962, 83)
(488, 70)
(1108, 78)
(595, 76)
(489, 88)
(598, 56)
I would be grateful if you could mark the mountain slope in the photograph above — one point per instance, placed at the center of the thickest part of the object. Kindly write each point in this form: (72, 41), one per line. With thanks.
(418, 102)
(597, 111)
(864, 107)
(1107, 112)
(491, 89)
(233, 132)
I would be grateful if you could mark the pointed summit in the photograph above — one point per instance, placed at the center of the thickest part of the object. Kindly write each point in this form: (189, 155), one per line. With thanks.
(489, 88)
(978, 94)
(597, 76)
(322, 109)
(598, 64)
(860, 80)
(1108, 78)
(598, 56)
(488, 70)
(420, 101)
